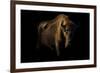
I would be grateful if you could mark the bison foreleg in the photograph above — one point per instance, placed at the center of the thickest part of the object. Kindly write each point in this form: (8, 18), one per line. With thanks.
(57, 47)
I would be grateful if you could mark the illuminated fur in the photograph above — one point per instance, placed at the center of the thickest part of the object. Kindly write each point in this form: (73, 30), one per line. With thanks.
(49, 32)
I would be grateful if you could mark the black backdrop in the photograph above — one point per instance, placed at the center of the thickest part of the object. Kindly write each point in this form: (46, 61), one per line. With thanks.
(78, 48)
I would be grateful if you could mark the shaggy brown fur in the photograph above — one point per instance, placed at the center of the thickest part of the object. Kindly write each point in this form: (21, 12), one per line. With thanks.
(49, 32)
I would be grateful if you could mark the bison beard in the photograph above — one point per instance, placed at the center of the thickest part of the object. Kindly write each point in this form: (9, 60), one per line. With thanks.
(54, 32)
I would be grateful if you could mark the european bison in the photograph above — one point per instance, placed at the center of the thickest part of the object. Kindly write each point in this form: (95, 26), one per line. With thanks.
(51, 33)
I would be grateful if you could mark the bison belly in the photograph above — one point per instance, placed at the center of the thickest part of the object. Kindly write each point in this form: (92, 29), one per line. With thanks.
(47, 39)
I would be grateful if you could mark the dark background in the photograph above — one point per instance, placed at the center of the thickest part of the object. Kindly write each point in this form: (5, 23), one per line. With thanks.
(78, 48)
